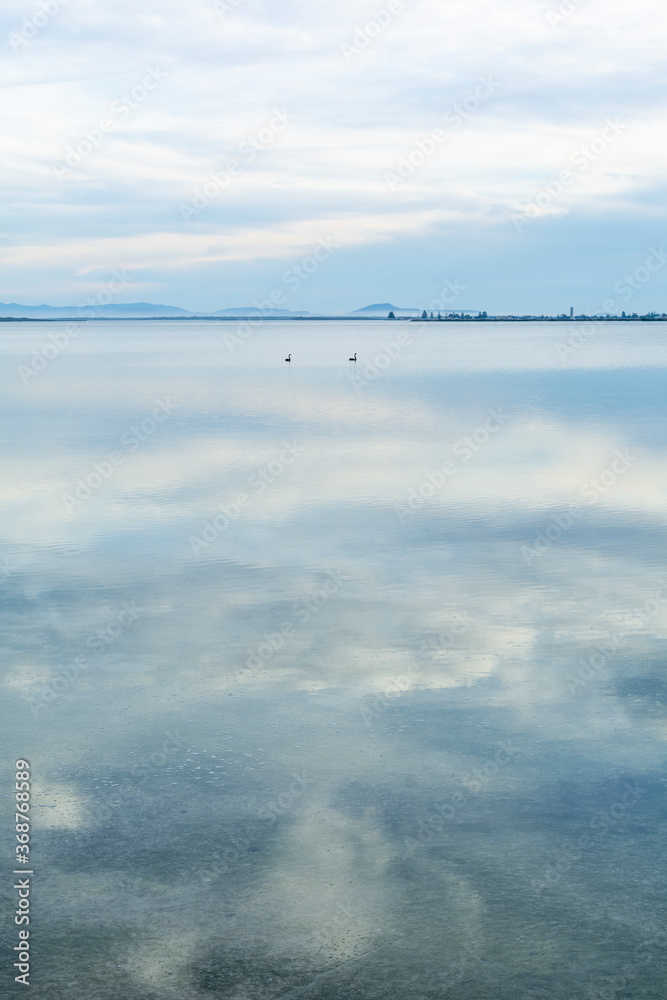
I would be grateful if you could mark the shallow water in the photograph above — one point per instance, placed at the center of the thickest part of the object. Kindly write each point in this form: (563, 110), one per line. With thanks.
(370, 697)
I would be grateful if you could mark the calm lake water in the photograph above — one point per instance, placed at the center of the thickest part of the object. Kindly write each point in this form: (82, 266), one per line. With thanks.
(335, 680)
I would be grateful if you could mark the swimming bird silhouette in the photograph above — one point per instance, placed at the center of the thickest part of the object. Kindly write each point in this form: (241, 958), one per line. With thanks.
(288, 358)
(354, 358)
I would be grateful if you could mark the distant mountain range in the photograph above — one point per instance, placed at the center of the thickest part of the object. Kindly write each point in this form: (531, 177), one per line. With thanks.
(131, 310)
(384, 308)
(148, 310)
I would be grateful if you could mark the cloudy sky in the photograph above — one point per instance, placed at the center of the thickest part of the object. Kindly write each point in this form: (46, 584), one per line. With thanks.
(217, 152)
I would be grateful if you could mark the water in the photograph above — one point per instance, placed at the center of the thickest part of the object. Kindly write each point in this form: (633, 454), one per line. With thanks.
(337, 680)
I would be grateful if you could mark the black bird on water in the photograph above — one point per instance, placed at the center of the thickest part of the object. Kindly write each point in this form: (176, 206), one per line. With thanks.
(354, 358)
(288, 358)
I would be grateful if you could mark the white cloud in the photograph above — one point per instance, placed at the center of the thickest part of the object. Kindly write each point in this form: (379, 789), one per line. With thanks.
(352, 121)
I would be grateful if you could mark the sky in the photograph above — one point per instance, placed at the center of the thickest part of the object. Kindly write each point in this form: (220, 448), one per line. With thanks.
(211, 154)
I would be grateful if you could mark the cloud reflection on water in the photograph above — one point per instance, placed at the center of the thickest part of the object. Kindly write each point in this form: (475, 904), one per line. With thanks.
(326, 880)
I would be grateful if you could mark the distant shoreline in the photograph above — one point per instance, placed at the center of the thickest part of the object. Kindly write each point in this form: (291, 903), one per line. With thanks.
(326, 319)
